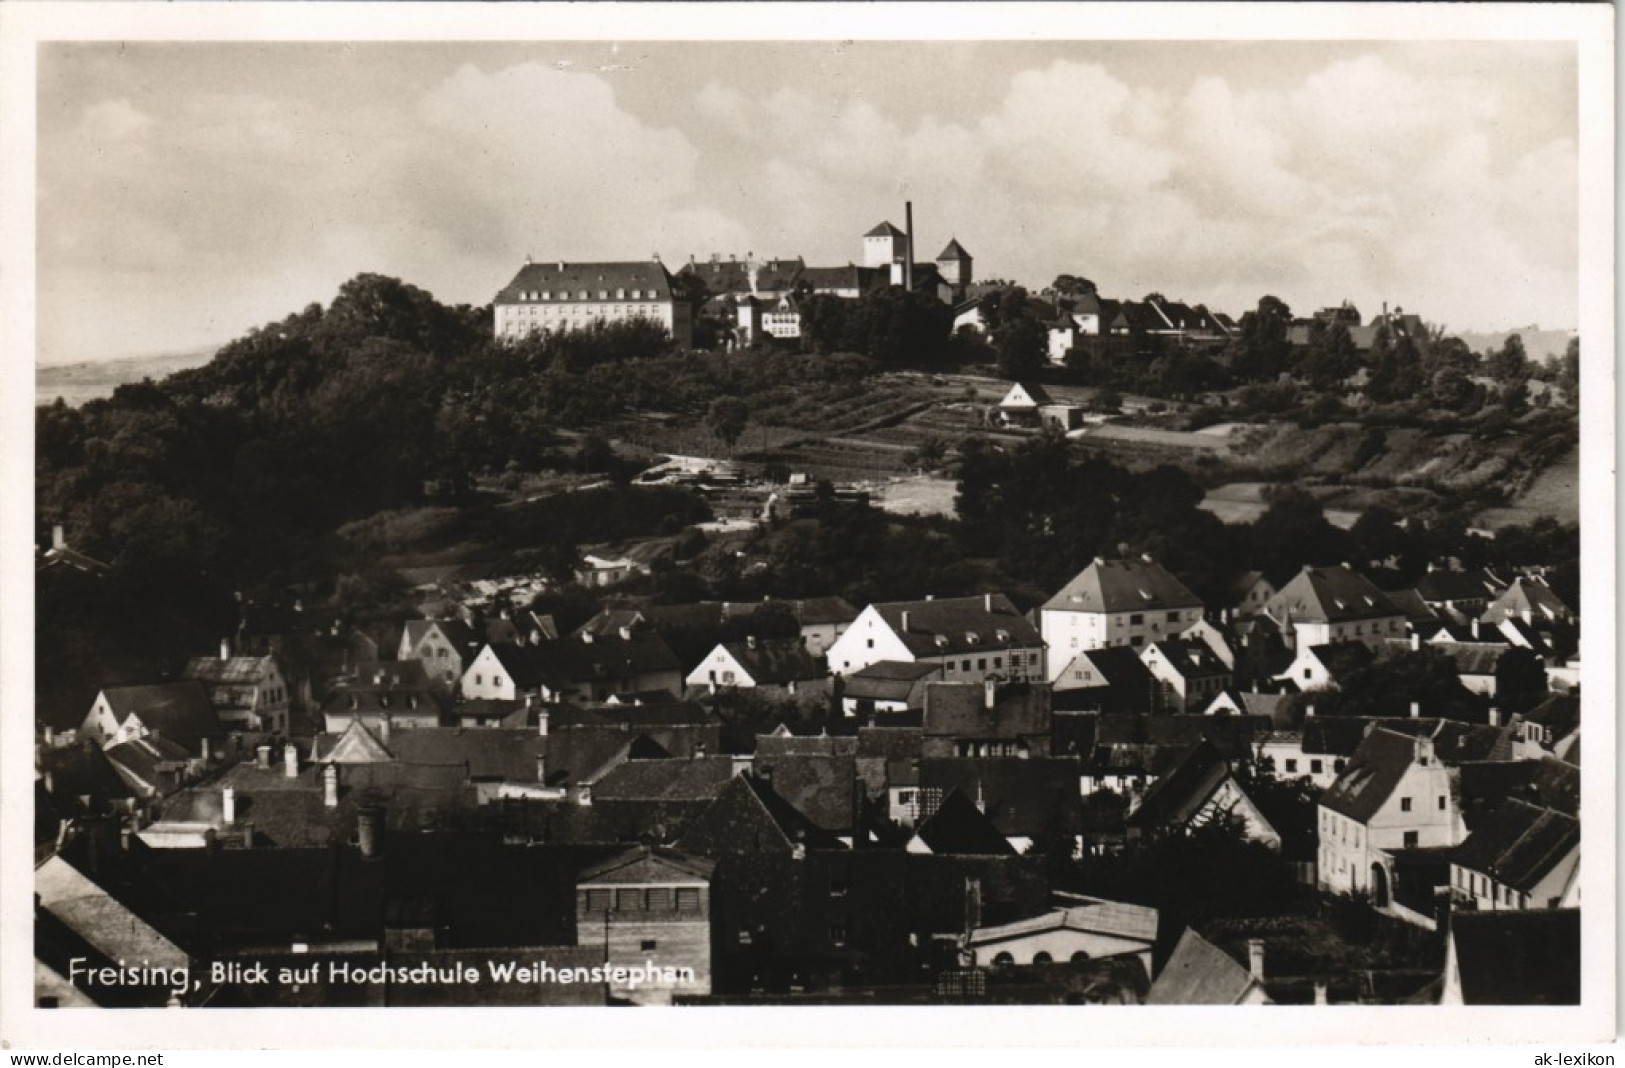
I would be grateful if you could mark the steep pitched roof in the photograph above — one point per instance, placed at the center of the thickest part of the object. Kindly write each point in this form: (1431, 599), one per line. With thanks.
(819, 786)
(1472, 658)
(953, 626)
(1200, 973)
(1373, 772)
(851, 276)
(1190, 657)
(356, 745)
(1546, 783)
(1020, 797)
(885, 229)
(958, 828)
(566, 282)
(1415, 609)
(610, 656)
(1122, 586)
(749, 816)
(233, 670)
(179, 710)
(1179, 794)
(1531, 596)
(1330, 595)
(1518, 844)
(1342, 659)
(457, 633)
(953, 251)
(484, 753)
(1518, 958)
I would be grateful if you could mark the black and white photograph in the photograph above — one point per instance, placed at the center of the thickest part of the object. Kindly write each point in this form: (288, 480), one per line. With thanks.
(804, 512)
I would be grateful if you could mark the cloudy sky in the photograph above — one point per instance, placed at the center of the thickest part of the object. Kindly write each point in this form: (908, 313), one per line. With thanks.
(189, 191)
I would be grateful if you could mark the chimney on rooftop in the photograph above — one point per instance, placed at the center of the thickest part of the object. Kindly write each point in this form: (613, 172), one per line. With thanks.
(262, 756)
(1309, 710)
(905, 621)
(59, 540)
(990, 693)
(1416, 641)
(987, 602)
(290, 761)
(1320, 992)
(330, 786)
(228, 806)
(1494, 716)
(1255, 958)
(225, 648)
(203, 748)
(541, 722)
(1416, 710)
(383, 729)
(750, 641)
(626, 634)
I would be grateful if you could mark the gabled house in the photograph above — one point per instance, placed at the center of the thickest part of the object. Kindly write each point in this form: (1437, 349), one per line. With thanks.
(749, 818)
(1200, 973)
(585, 668)
(958, 828)
(1090, 931)
(1031, 802)
(1188, 673)
(1325, 667)
(1394, 794)
(1115, 602)
(153, 766)
(383, 696)
(1322, 605)
(180, 711)
(1459, 595)
(821, 619)
(969, 638)
(598, 571)
(1198, 790)
(1250, 593)
(249, 693)
(785, 666)
(1113, 679)
(1520, 856)
(1021, 404)
(650, 911)
(443, 646)
(1530, 600)
(969, 720)
(887, 686)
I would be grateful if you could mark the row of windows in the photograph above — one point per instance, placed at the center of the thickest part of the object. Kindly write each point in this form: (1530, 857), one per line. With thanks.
(637, 899)
(584, 294)
(584, 310)
(1316, 766)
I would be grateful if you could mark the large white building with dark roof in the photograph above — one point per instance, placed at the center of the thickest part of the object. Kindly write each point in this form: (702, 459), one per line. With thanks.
(1115, 602)
(972, 638)
(1324, 605)
(560, 296)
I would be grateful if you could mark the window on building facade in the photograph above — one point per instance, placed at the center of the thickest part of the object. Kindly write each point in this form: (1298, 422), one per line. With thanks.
(598, 900)
(1315, 767)
(1136, 619)
(628, 900)
(1173, 617)
(1412, 838)
(1291, 765)
(648, 945)
(657, 898)
(1441, 802)
(1404, 804)
(688, 898)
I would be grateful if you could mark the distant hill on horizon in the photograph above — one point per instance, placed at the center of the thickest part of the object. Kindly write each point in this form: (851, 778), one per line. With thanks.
(1538, 343)
(76, 383)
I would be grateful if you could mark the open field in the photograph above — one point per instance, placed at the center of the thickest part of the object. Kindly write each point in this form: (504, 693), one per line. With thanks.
(920, 495)
(1555, 492)
(1243, 502)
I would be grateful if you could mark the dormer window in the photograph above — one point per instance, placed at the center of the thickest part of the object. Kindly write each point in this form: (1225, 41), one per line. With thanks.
(603, 294)
(582, 295)
(637, 294)
(547, 294)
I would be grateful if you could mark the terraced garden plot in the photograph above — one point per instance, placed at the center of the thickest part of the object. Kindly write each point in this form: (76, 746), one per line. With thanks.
(1555, 492)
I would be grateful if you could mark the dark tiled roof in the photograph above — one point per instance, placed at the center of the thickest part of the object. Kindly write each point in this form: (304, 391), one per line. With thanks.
(457, 633)
(648, 864)
(1122, 586)
(696, 779)
(1560, 713)
(1074, 734)
(1518, 844)
(567, 281)
(180, 711)
(885, 229)
(959, 710)
(1546, 783)
(954, 626)
(1199, 973)
(1518, 958)
(484, 753)
(733, 276)
(1528, 595)
(1410, 602)
(1330, 595)
(1373, 772)
(1472, 658)
(888, 743)
(233, 670)
(83, 771)
(824, 279)
(953, 251)
(1192, 658)
(1021, 797)
(888, 680)
(821, 787)
(776, 662)
(153, 761)
(779, 744)
(1442, 585)
(1341, 659)
(1178, 795)
(958, 828)
(748, 816)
